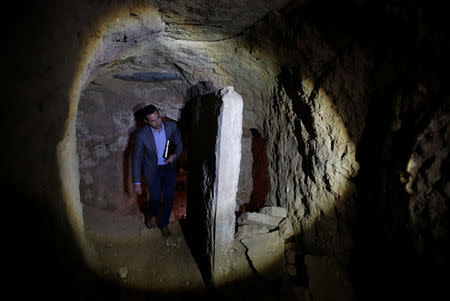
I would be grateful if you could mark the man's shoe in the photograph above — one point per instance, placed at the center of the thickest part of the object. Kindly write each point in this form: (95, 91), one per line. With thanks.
(165, 231)
(151, 223)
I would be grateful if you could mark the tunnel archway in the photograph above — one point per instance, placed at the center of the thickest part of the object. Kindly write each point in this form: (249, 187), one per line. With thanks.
(281, 186)
(96, 107)
(301, 206)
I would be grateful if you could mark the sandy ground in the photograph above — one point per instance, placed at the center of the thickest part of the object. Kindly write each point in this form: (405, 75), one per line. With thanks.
(136, 257)
(147, 266)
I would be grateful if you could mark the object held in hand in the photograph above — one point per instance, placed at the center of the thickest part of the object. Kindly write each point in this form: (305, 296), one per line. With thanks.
(168, 150)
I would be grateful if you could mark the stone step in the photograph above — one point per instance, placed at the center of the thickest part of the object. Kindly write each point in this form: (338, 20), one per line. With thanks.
(269, 221)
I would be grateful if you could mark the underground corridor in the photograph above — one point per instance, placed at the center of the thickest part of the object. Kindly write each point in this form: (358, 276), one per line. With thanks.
(315, 161)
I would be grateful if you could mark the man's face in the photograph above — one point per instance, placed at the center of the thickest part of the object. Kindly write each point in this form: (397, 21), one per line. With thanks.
(154, 120)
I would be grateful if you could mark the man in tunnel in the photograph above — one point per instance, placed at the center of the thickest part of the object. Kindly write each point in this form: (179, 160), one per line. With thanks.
(159, 168)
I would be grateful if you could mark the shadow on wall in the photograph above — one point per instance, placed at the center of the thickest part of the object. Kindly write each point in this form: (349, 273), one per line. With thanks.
(195, 227)
(405, 90)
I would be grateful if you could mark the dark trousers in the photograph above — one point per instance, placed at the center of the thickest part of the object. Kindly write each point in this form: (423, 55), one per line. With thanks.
(162, 187)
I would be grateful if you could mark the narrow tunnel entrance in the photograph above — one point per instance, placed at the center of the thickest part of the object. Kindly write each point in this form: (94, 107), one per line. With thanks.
(206, 186)
(128, 253)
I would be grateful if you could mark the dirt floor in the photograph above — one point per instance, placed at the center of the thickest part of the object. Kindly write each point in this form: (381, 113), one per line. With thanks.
(134, 256)
(142, 263)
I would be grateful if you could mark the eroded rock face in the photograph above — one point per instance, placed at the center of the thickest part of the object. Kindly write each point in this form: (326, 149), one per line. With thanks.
(105, 129)
(202, 67)
(322, 98)
(213, 20)
(428, 187)
(318, 155)
(345, 95)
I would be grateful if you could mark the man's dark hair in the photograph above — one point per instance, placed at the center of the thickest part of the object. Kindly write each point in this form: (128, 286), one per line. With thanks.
(149, 109)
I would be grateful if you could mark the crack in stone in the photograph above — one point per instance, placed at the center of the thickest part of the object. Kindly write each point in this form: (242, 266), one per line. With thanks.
(250, 263)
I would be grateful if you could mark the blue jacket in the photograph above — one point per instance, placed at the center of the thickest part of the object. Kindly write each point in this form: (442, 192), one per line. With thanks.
(145, 155)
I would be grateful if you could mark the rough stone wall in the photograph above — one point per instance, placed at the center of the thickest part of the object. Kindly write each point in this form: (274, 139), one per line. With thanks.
(336, 109)
(42, 93)
(218, 22)
(202, 67)
(313, 123)
(428, 186)
(105, 129)
(311, 94)
(409, 45)
(398, 155)
(314, 159)
(404, 183)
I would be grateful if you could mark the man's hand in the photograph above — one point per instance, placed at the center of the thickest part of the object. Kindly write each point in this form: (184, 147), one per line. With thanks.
(171, 158)
(138, 189)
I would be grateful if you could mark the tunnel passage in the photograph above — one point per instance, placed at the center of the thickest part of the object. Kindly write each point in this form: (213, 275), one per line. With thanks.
(310, 129)
(105, 129)
(214, 138)
(107, 120)
(328, 53)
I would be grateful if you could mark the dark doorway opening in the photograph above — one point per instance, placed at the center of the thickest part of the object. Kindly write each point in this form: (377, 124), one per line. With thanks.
(260, 174)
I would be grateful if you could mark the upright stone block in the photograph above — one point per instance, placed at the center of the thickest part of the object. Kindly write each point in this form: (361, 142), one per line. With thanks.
(214, 162)
(228, 159)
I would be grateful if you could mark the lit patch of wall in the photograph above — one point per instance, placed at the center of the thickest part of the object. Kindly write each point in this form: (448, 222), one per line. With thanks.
(312, 163)
(329, 191)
